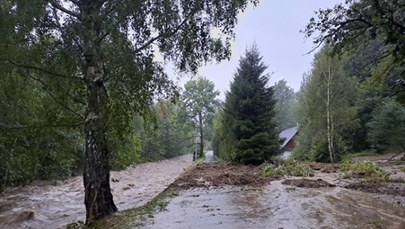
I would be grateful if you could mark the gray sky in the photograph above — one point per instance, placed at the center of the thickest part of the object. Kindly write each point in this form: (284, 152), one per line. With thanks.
(274, 26)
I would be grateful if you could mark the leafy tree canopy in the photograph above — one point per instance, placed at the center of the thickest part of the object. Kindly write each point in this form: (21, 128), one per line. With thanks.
(199, 103)
(102, 53)
(353, 22)
(285, 103)
(375, 25)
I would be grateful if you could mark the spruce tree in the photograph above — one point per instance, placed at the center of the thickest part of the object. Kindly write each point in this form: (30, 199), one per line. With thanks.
(249, 113)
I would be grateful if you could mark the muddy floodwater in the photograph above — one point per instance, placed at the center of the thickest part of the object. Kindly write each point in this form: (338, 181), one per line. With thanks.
(280, 206)
(326, 199)
(43, 205)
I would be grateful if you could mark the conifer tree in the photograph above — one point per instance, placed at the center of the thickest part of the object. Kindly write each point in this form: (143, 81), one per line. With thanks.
(249, 113)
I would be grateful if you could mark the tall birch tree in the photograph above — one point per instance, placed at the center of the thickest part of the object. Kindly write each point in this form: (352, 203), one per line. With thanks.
(107, 50)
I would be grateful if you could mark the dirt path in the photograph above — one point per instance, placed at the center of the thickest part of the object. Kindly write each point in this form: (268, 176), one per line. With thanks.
(43, 205)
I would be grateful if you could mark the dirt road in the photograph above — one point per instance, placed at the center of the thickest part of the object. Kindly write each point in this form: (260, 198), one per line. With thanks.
(43, 205)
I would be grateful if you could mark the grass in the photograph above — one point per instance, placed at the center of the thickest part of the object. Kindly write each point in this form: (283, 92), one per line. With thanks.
(366, 170)
(376, 225)
(200, 161)
(131, 218)
(290, 168)
(134, 218)
(402, 169)
(366, 153)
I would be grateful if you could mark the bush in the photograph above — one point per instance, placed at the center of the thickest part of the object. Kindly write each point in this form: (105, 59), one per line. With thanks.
(128, 154)
(387, 127)
(291, 168)
(364, 169)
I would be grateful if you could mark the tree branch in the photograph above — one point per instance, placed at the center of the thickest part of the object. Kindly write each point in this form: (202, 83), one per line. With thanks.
(164, 34)
(41, 70)
(63, 9)
(54, 98)
(5, 127)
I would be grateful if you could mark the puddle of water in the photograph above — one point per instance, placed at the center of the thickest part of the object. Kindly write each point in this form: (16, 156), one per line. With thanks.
(279, 206)
(51, 206)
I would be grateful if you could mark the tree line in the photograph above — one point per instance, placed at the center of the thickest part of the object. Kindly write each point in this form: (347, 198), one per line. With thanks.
(352, 100)
(81, 88)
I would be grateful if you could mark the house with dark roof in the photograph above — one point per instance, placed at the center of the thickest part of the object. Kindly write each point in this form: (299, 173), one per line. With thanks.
(289, 142)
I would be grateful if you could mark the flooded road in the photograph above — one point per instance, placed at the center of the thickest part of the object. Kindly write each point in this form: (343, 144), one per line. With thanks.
(280, 206)
(43, 205)
(209, 156)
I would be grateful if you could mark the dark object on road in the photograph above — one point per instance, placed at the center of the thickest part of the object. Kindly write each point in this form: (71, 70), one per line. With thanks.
(220, 174)
(307, 183)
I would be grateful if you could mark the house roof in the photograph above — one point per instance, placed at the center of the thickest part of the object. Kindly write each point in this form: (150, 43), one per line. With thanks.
(288, 134)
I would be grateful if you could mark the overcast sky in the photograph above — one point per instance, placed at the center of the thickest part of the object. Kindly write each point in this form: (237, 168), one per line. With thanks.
(274, 26)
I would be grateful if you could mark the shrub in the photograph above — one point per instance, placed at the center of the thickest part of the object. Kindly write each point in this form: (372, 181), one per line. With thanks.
(291, 168)
(364, 169)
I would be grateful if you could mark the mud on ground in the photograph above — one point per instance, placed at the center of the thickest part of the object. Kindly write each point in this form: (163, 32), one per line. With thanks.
(306, 183)
(395, 189)
(220, 174)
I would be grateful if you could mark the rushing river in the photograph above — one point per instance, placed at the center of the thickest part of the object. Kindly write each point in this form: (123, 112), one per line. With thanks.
(43, 205)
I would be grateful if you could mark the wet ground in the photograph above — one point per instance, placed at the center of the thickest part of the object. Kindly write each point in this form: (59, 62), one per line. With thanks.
(280, 206)
(322, 201)
(45, 205)
(210, 156)
(220, 195)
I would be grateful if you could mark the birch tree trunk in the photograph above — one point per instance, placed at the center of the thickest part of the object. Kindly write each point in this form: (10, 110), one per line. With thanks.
(329, 119)
(96, 178)
(200, 120)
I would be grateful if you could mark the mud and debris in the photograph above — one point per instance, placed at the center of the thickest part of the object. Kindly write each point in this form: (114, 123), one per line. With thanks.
(324, 167)
(307, 183)
(219, 174)
(395, 189)
(326, 200)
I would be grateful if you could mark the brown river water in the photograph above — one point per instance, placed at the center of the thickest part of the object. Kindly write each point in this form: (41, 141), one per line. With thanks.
(43, 205)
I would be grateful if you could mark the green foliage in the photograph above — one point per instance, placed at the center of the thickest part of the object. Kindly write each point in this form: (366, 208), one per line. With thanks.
(285, 105)
(170, 135)
(290, 168)
(377, 224)
(200, 161)
(128, 154)
(198, 105)
(326, 110)
(365, 153)
(387, 127)
(248, 129)
(354, 22)
(38, 136)
(364, 169)
(359, 25)
(223, 143)
(93, 63)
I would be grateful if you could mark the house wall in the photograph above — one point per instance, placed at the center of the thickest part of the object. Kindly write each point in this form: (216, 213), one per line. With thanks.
(290, 145)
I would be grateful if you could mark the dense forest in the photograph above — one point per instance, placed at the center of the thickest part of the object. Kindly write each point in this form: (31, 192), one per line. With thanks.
(352, 100)
(81, 91)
